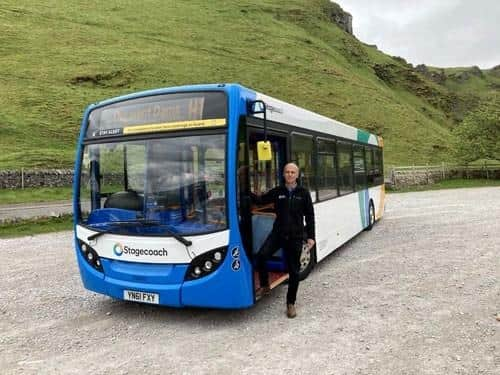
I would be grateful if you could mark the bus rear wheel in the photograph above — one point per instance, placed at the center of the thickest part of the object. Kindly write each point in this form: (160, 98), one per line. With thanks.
(371, 216)
(307, 260)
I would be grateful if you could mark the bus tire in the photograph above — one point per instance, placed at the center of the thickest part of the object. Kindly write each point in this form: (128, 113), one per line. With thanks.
(307, 261)
(371, 216)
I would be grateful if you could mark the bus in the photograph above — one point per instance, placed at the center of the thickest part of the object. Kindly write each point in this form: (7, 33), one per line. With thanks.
(163, 179)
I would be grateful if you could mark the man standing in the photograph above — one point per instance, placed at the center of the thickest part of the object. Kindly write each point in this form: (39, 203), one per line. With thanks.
(292, 203)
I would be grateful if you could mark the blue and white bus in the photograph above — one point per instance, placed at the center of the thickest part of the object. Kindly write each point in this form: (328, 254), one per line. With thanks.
(162, 213)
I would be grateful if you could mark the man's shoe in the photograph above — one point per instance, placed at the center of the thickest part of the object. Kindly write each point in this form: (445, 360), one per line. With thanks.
(264, 291)
(290, 311)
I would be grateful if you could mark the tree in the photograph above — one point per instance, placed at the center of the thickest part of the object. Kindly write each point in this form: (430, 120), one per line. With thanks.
(478, 135)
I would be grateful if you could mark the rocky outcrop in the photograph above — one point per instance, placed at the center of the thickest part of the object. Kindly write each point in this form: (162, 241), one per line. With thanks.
(438, 76)
(495, 71)
(338, 16)
(467, 74)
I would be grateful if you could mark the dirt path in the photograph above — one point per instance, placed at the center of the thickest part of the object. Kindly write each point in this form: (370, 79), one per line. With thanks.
(416, 295)
(30, 210)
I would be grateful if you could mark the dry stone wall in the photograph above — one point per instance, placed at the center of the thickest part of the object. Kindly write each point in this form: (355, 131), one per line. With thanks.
(16, 179)
(407, 176)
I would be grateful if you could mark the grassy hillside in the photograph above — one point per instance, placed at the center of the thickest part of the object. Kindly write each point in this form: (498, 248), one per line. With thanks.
(58, 56)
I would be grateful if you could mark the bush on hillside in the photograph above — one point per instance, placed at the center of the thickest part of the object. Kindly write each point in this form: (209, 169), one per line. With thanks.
(478, 136)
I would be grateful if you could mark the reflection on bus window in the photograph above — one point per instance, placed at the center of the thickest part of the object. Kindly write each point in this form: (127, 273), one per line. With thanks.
(359, 167)
(178, 182)
(327, 171)
(302, 151)
(346, 184)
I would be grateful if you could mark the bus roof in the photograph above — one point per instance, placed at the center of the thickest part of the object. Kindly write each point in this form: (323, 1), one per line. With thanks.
(277, 110)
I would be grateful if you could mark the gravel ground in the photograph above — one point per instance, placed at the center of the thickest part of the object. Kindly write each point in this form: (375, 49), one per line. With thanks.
(418, 294)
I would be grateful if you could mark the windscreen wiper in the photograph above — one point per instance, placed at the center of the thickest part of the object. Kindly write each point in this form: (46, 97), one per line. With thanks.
(179, 238)
(122, 224)
(143, 222)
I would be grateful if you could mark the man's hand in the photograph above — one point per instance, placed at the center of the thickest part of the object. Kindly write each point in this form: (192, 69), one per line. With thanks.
(310, 243)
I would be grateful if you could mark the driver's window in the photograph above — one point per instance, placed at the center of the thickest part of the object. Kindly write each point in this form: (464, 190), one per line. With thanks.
(111, 169)
(136, 166)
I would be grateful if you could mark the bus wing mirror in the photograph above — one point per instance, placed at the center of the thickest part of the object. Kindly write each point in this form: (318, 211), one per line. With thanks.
(256, 106)
(264, 151)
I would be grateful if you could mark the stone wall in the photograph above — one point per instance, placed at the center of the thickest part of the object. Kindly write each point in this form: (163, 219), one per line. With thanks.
(401, 177)
(398, 177)
(16, 179)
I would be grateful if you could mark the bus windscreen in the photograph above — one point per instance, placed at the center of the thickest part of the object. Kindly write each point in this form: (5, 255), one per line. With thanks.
(176, 183)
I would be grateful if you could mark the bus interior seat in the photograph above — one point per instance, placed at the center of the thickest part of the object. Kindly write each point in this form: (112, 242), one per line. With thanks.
(126, 200)
(261, 227)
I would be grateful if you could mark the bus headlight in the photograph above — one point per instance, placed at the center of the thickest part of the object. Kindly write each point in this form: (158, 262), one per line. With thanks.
(90, 255)
(206, 263)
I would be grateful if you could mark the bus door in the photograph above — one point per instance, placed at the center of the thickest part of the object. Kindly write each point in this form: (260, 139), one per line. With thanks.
(256, 177)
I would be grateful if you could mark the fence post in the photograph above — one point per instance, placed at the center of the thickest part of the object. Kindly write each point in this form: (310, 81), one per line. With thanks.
(486, 167)
(443, 174)
(22, 178)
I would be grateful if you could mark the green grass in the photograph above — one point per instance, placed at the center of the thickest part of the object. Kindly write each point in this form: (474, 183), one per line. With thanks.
(33, 195)
(28, 227)
(450, 184)
(56, 57)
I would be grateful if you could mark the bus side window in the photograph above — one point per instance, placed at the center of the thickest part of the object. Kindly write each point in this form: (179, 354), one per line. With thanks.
(302, 155)
(346, 180)
(359, 167)
(327, 170)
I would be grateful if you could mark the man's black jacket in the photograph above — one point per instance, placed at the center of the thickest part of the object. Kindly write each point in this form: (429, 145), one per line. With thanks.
(291, 208)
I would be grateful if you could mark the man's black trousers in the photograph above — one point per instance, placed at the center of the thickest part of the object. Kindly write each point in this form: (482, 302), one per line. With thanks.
(292, 249)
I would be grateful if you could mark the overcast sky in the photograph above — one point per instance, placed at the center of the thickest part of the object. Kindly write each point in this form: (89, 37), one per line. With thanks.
(443, 33)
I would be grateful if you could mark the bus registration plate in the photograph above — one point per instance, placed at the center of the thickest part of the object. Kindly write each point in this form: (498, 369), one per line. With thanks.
(144, 297)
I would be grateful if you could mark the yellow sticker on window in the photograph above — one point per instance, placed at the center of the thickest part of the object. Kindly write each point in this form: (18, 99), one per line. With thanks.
(170, 126)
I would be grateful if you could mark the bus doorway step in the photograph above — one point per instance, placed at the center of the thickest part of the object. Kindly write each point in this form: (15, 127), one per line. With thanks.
(275, 279)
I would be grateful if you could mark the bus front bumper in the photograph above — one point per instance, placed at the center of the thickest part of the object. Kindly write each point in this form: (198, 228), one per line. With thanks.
(164, 284)
(120, 278)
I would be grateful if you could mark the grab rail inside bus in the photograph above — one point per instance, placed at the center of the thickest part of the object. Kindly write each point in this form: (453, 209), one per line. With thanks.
(264, 148)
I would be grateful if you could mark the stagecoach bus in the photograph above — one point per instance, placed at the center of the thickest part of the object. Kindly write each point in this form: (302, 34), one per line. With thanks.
(163, 179)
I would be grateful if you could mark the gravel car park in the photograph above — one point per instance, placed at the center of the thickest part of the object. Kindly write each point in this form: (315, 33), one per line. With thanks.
(419, 294)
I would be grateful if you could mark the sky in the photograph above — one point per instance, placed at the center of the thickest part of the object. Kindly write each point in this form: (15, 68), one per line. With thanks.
(442, 33)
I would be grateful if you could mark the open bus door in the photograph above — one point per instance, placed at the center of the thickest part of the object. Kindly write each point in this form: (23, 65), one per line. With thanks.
(259, 176)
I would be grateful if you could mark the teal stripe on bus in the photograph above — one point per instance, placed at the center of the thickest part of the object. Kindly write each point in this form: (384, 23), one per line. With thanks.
(364, 199)
(363, 136)
(362, 210)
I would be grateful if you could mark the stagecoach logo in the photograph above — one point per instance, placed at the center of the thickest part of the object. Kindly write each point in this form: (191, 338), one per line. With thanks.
(119, 249)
